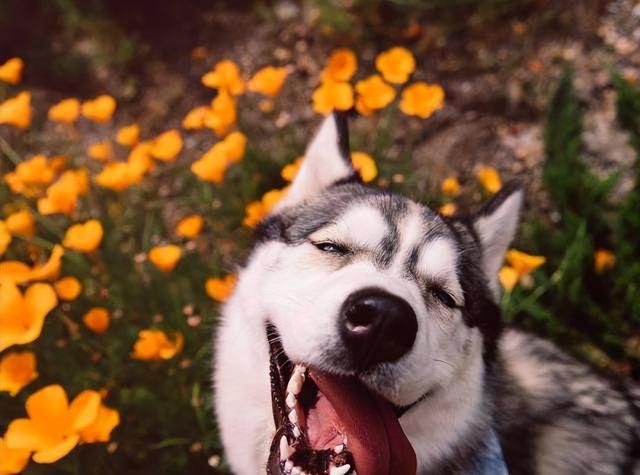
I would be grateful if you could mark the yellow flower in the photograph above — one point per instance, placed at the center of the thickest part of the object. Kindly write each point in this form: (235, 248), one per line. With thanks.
(66, 111)
(17, 111)
(222, 114)
(256, 210)
(290, 170)
(21, 223)
(220, 288)
(396, 65)
(211, 166)
(30, 174)
(51, 268)
(101, 151)
(332, 96)
(12, 460)
(268, 81)
(365, 165)
(22, 316)
(165, 257)
(190, 226)
(166, 146)
(129, 135)
(374, 94)
(603, 260)
(97, 319)
(153, 345)
(489, 179)
(14, 271)
(11, 71)
(195, 118)
(16, 371)
(447, 209)
(340, 67)
(450, 186)
(51, 431)
(68, 288)
(63, 195)
(99, 109)
(5, 237)
(522, 262)
(84, 237)
(422, 99)
(225, 76)
(100, 429)
(508, 277)
(234, 145)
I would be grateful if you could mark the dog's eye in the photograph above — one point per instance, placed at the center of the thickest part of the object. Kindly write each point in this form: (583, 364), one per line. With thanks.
(443, 297)
(332, 247)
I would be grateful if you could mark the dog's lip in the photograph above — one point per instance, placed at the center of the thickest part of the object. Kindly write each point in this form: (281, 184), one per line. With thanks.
(368, 423)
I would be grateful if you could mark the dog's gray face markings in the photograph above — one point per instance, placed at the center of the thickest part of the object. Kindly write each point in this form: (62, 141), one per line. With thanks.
(332, 237)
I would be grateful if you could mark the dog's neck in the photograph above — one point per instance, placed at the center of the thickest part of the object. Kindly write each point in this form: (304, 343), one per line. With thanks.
(453, 420)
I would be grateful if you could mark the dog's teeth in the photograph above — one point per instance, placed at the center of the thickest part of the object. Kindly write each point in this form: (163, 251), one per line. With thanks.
(295, 383)
(293, 416)
(296, 432)
(338, 448)
(288, 465)
(285, 449)
(341, 470)
(296, 471)
(291, 400)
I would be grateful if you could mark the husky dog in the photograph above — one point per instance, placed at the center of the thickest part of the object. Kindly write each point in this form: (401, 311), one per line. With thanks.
(364, 335)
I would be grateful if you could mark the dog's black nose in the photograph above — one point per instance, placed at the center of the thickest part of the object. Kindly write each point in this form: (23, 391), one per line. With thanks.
(377, 327)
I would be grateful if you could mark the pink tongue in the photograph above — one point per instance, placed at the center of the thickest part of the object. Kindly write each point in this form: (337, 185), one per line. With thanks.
(374, 435)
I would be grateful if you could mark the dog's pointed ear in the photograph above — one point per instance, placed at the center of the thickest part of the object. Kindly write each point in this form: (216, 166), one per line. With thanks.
(496, 224)
(326, 161)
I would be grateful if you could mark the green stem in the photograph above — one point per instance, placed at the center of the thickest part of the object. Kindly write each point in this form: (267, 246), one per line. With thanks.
(9, 152)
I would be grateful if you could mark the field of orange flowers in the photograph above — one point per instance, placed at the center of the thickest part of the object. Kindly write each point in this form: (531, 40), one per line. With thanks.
(113, 257)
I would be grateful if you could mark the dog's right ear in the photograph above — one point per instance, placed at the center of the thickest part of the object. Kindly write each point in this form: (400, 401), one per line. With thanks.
(326, 161)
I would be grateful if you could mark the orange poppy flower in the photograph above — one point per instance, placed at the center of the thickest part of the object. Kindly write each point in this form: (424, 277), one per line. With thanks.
(97, 319)
(16, 371)
(603, 260)
(100, 109)
(101, 151)
(396, 65)
(17, 111)
(508, 277)
(66, 111)
(422, 99)
(12, 460)
(222, 114)
(52, 429)
(340, 67)
(257, 210)
(374, 94)
(153, 345)
(522, 262)
(212, 165)
(100, 429)
(31, 174)
(447, 209)
(165, 257)
(5, 237)
(290, 170)
(84, 237)
(190, 226)
(489, 179)
(14, 271)
(51, 268)
(166, 146)
(68, 288)
(450, 186)
(332, 96)
(21, 223)
(129, 135)
(225, 76)
(22, 316)
(268, 80)
(365, 165)
(195, 118)
(11, 71)
(63, 195)
(220, 289)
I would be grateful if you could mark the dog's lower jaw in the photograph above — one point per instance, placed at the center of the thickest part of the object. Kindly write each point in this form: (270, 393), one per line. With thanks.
(452, 419)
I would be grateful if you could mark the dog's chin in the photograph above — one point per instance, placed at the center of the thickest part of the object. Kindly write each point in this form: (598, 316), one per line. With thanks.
(331, 424)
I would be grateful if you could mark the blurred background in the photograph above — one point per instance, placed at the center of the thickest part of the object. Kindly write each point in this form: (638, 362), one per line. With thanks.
(547, 91)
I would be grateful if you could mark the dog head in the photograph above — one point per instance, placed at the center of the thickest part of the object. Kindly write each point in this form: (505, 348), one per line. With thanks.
(363, 284)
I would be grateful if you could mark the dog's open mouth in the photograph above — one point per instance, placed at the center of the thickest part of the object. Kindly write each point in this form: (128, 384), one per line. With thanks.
(331, 425)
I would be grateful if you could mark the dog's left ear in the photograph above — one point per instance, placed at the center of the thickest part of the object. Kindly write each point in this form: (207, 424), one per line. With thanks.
(326, 161)
(496, 224)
